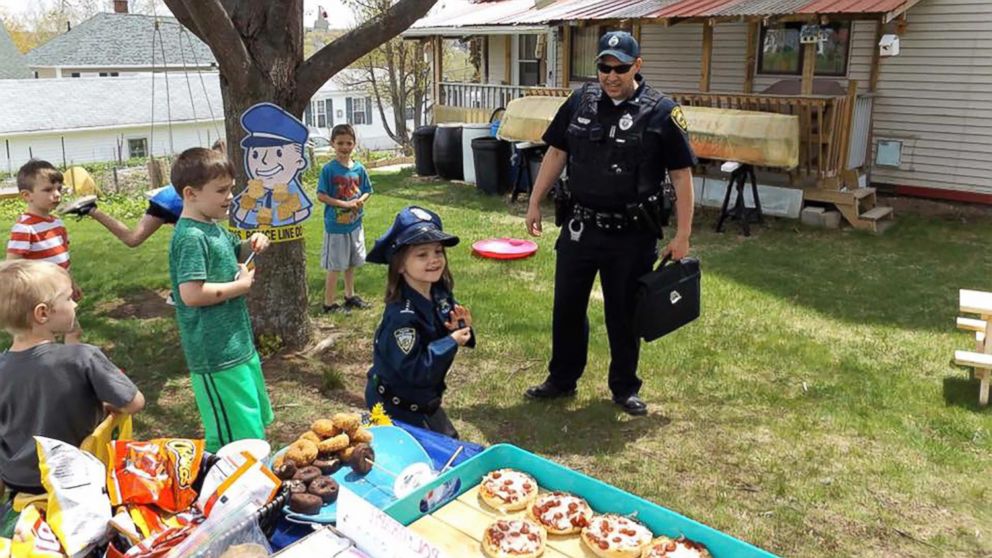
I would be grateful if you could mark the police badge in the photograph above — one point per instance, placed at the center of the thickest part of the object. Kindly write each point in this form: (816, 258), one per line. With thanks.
(614, 41)
(626, 121)
(405, 339)
(678, 117)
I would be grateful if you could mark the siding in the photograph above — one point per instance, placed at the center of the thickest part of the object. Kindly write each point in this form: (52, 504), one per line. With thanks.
(672, 56)
(936, 97)
(498, 46)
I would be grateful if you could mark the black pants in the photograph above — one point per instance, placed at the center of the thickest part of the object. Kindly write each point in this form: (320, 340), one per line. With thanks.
(619, 258)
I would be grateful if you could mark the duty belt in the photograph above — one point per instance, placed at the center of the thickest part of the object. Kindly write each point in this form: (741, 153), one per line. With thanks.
(389, 396)
(613, 221)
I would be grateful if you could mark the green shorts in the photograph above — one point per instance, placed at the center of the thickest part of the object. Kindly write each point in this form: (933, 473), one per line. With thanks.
(233, 403)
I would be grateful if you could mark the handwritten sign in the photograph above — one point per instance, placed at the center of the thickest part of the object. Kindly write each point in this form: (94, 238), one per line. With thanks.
(378, 534)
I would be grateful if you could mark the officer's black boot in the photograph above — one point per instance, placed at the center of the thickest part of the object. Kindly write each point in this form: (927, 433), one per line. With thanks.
(548, 390)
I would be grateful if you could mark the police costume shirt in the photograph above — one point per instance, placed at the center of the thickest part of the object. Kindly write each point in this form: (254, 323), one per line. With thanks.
(613, 146)
(413, 348)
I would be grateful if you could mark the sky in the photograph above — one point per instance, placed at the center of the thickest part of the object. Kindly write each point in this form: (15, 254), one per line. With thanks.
(338, 15)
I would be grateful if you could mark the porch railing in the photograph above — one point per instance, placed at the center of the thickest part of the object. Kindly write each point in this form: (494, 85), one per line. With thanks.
(833, 130)
(485, 96)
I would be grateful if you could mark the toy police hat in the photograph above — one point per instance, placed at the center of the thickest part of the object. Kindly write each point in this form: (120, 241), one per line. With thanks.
(413, 225)
(268, 125)
(620, 45)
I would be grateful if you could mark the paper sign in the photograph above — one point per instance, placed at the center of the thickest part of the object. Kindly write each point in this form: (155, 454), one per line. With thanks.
(378, 534)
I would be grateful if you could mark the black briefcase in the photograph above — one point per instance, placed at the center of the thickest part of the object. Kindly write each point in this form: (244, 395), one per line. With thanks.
(667, 298)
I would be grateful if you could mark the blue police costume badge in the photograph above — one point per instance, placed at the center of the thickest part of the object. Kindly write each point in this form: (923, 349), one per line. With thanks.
(405, 337)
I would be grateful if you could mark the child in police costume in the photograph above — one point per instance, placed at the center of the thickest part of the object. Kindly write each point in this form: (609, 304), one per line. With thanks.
(422, 325)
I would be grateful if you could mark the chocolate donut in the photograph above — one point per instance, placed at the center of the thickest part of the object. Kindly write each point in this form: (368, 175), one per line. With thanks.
(296, 486)
(304, 503)
(325, 487)
(327, 466)
(361, 458)
(307, 474)
(286, 470)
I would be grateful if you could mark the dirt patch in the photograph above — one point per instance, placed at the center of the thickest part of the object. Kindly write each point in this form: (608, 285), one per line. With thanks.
(935, 208)
(142, 305)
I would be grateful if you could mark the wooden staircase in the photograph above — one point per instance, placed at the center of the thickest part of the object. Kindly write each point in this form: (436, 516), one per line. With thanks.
(858, 206)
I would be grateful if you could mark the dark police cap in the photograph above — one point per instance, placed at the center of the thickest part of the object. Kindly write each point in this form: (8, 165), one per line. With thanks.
(620, 45)
(412, 225)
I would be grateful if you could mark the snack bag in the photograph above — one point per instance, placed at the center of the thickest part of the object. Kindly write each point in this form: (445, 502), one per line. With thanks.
(33, 538)
(78, 508)
(150, 521)
(4, 547)
(237, 481)
(159, 472)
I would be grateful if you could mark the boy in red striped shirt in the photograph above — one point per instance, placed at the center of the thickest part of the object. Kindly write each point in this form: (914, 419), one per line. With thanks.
(37, 234)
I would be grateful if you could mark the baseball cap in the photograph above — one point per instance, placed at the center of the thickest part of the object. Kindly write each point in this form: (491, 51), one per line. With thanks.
(620, 45)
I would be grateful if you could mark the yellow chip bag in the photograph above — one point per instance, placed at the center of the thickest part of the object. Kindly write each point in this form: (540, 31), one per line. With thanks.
(78, 506)
(33, 538)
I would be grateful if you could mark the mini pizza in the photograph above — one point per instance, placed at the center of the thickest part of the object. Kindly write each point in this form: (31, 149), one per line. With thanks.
(664, 547)
(560, 513)
(514, 538)
(508, 490)
(615, 536)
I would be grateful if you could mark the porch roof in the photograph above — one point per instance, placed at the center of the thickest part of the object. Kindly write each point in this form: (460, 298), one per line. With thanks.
(514, 16)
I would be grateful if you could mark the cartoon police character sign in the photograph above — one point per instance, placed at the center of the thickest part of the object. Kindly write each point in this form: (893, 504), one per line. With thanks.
(274, 159)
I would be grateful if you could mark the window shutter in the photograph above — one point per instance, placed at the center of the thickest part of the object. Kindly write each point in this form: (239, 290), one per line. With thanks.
(329, 103)
(308, 115)
(348, 102)
(368, 110)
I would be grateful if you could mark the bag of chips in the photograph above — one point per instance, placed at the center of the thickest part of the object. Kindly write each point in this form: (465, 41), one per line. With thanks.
(159, 472)
(33, 538)
(78, 509)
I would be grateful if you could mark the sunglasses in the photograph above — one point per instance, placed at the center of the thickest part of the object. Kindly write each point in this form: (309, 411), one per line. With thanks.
(619, 69)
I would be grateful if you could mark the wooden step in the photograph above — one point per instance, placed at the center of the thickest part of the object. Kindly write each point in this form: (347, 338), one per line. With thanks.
(973, 359)
(877, 213)
(975, 302)
(971, 324)
(862, 192)
(839, 197)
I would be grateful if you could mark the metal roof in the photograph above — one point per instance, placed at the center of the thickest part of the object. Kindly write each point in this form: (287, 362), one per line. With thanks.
(110, 39)
(488, 17)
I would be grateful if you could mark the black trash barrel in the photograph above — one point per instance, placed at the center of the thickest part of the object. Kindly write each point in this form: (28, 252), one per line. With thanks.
(448, 152)
(423, 150)
(492, 165)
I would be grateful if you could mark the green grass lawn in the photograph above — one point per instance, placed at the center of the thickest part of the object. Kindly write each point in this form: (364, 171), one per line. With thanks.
(812, 409)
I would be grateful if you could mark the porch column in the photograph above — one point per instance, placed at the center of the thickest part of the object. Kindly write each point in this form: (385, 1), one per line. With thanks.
(809, 66)
(566, 61)
(752, 55)
(704, 78)
(438, 56)
(508, 60)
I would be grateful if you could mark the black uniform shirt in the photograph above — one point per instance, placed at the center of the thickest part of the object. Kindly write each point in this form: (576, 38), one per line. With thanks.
(671, 145)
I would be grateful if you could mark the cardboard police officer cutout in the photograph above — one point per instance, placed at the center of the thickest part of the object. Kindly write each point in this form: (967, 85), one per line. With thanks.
(274, 201)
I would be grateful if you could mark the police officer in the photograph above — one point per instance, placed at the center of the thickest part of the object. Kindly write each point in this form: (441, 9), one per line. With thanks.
(422, 325)
(618, 138)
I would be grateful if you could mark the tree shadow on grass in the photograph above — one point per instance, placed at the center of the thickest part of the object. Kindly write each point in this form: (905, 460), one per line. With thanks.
(961, 391)
(586, 428)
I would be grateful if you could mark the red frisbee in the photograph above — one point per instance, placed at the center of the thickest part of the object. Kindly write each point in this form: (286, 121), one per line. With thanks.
(504, 248)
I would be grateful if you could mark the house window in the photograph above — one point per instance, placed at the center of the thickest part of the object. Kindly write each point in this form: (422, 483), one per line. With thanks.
(114, 74)
(308, 116)
(321, 114)
(329, 109)
(780, 51)
(137, 147)
(585, 42)
(528, 65)
(74, 74)
(359, 110)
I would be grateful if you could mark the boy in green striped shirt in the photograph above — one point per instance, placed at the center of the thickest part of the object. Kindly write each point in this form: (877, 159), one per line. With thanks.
(209, 287)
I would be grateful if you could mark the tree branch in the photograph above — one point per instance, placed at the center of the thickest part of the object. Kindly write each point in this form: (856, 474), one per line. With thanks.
(213, 25)
(354, 44)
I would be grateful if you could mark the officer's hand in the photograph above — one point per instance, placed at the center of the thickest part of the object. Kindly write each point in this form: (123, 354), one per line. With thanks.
(533, 219)
(462, 336)
(678, 248)
(460, 318)
(259, 242)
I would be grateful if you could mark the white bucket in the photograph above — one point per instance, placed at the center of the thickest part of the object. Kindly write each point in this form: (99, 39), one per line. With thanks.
(469, 133)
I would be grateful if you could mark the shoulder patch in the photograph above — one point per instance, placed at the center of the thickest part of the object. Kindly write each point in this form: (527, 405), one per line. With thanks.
(678, 117)
(406, 337)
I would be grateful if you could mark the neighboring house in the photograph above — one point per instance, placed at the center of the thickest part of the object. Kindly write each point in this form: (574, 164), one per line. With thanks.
(83, 120)
(917, 123)
(11, 60)
(120, 44)
(336, 103)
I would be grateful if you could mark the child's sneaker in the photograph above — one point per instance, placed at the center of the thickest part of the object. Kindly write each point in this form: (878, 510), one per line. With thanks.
(356, 302)
(336, 309)
(80, 206)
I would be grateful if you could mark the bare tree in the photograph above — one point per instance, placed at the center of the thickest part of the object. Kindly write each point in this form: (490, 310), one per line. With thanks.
(259, 48)
(396, 75)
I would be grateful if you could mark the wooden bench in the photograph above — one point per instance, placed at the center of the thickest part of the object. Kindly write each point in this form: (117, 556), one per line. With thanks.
(982, 363)
(978, 326)
(977, 302)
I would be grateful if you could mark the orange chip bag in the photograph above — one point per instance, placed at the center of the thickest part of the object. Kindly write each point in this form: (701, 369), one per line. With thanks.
(159, 472)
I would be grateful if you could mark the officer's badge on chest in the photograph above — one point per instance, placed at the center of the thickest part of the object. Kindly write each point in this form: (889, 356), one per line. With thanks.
(406, 337)
(626, 121)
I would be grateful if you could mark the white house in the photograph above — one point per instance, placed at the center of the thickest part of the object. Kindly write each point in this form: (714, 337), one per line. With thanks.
(83, 120)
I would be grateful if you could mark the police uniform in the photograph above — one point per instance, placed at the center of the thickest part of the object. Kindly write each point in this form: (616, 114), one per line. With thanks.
(269, 126)
(413, 348)
(618, 157)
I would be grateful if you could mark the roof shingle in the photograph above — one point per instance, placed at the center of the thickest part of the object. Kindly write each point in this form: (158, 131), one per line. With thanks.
(11, 60)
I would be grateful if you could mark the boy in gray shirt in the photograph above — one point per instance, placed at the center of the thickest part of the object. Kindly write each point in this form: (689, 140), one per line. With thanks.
(47, 388)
